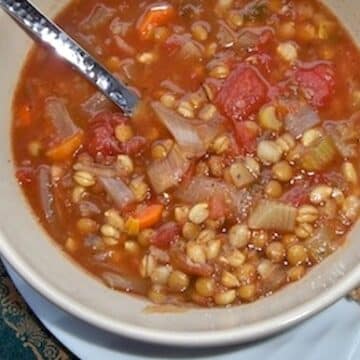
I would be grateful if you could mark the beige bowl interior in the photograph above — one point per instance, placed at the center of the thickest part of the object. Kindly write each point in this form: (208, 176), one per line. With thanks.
(24, 244)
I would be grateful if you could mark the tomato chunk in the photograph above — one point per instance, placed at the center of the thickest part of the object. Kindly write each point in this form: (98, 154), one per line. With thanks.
(217, 206)
(317, 83)
(134, 146)
(101, 135)
(245, 137)
(165, 235)
(242, 94)
(297, 195)
(25, 175)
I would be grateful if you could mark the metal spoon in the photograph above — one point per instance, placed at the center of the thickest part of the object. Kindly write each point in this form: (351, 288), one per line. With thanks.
(33, 21)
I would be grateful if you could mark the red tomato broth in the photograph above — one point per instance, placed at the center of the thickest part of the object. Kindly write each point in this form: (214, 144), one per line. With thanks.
(197, 240)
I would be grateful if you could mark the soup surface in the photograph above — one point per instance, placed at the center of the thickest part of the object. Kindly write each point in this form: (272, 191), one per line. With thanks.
(237, 175)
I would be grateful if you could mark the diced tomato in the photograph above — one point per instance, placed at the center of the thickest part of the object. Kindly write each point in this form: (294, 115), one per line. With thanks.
(265, 37)
(24, 116)
(173, 44)
(355, 119)
(135, 146)
(197, 74)
(25, 175)
(334, 179)
(245, 137)
(317, 83)
(217, 207)
(242, 94)
(101, 136)
(165, 235)
(297, 195)
(262, 61)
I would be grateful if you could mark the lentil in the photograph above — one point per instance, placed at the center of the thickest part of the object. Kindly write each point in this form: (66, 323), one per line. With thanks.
(239, 236)
(125, 164)
(229, 280)
(221, 144)
(225, 298)
(199, 213)
(195, 252)
(297, 255)
(205, 286)
(247, 293)
(178, 281)
(282, 171)
(269, 152)
(273, 189)
(87, 226)
(304, 230)
(84, 179)
(320, 193)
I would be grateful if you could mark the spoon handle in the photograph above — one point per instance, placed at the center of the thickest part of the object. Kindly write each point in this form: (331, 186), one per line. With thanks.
(32, 20)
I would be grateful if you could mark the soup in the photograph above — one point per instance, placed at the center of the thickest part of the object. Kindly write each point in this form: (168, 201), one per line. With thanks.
(239, 171)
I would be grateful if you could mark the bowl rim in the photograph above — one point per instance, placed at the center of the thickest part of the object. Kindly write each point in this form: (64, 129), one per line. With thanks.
(209, 338)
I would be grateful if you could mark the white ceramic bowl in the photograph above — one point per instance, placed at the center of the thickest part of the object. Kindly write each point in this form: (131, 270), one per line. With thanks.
(40, 262)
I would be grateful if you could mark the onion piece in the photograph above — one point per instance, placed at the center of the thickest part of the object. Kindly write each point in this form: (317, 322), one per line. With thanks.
(226, 37)
(345, 135)
(117, 190)
(208, 130)
(160, 255)
(96, 169)
(250, 38)
(321, 244)
(95, 104)
(181, 129)
(300, 120)
(46, 194)
(126, 283)
(124, 46)
(98, 16)
(171, 86)
(57, 112)
(119, 27)
(190, 50)
(88, 208)
(273, 275)
(319, 155)
(247, 39)
(203, 189)
(168, 172)
(93, 241)
(273, 215)
(242, 201)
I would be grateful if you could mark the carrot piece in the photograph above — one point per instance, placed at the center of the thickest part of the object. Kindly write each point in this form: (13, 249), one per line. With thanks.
(156, 15)
(23, 115)
(66, 148)
(150, 215)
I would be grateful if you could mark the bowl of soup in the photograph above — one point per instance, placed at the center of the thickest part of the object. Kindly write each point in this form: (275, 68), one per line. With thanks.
(226, 208)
